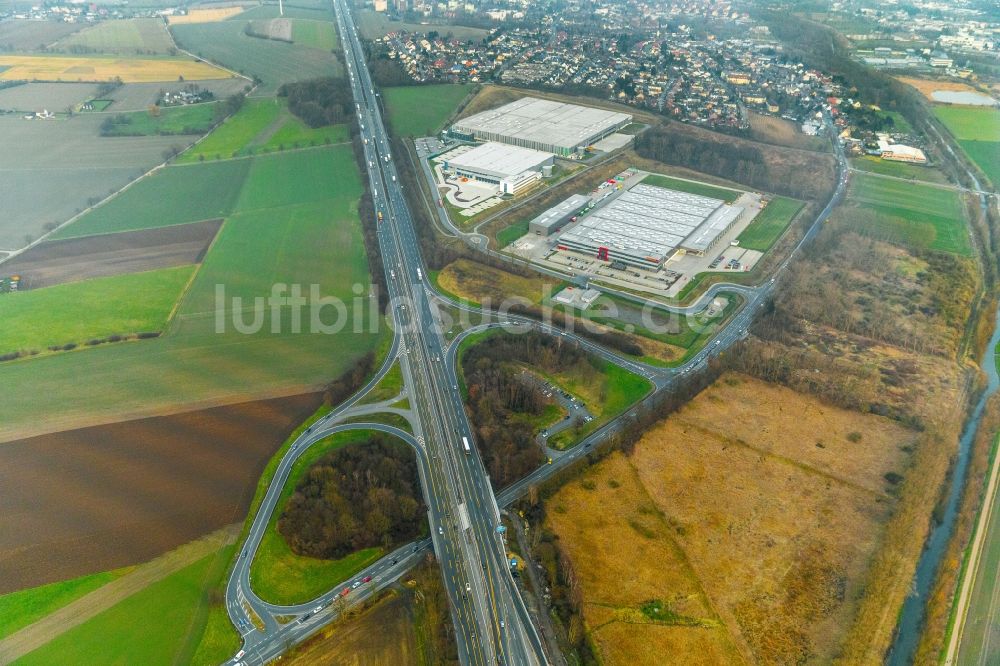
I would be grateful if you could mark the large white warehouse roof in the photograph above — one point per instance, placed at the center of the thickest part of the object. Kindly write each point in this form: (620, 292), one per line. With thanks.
(535, 122)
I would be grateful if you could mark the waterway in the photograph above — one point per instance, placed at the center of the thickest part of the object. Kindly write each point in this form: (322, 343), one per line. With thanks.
(912, 617)
(963, 97)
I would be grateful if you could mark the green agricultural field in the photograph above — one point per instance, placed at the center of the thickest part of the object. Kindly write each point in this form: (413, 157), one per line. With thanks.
(970, 123)
(918, 215)
(92, 309)
(273, 62)
(235, 134)
(986, 154)
(422, 110)
(19, 609)
(173, 195)
(203, 357)
(140, 36)
(704, 189)
(317, 176)
(193, 119)
(977, 130)
(315, 34)
(293, 133)
(871, 164)
(263, 125)
(149, 627)
(769, 224)
(281, 576)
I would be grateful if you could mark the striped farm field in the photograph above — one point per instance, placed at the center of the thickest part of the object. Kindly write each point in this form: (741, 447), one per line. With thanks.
(80, 68)
(205, 15)
(977, 129)
(128, 36)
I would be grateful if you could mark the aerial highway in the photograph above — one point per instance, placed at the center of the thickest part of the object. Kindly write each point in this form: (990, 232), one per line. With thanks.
(491, 620)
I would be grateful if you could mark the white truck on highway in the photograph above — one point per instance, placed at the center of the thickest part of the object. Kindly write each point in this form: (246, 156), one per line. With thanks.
(420, 275)
(465, 445)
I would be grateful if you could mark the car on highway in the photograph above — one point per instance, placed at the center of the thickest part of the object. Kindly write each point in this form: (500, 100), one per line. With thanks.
(356, 584)
(366, 579)
(440, 530)
(345, 591)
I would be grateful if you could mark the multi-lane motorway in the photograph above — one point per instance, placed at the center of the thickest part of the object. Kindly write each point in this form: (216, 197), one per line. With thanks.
(491, 621)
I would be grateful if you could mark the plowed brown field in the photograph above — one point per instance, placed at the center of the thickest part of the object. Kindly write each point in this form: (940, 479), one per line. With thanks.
(95, 499)
(76, 259)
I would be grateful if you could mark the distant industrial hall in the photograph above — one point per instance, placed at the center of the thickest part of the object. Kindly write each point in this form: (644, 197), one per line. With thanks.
(539, 124)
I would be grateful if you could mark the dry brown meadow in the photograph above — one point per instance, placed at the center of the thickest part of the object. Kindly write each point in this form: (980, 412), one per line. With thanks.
(754, 512)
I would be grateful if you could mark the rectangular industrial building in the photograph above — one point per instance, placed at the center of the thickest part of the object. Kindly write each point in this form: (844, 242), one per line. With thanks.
(554, 218)
(511, 168)
(541, 124)
(645, 225)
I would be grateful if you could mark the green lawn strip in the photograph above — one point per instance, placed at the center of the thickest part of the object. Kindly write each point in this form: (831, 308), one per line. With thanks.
(191, 119)
(387, 418)
(282, 577)
(173, 195)
(769, 224)
(92, 309)
(219, 640)
(314, 34)
(508, 235)
(882, 167)
(704, 189)
(388, 387)
(232, 137)
(149, 627)
(422, 110)
(24, 607)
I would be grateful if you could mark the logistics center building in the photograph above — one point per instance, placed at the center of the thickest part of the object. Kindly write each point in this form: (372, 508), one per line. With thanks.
(509, 167)
(563, 129)
(555, 218)
(645, 225)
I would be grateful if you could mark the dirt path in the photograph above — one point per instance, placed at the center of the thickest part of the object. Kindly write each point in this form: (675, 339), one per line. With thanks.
(49, 627)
